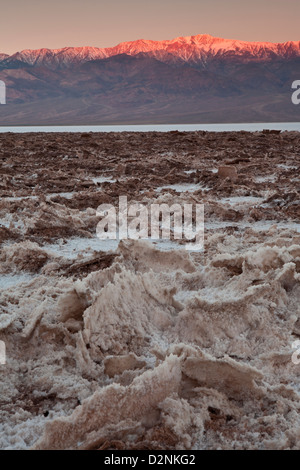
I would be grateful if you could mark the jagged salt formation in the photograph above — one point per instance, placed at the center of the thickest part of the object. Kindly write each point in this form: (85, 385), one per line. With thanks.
(157, 350)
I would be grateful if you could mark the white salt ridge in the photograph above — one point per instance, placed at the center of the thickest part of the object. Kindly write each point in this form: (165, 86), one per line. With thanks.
(184, 187)
(238, 200)
(67, 195)
(103, 179)
(11, 219)
(257, 226)
(266, 179)
(287, 167)
(75, 246)
(183, 296)
(266, 224)
(5, 223)
(10, 280)
(18, 198)
(166, 245)
(79, 246)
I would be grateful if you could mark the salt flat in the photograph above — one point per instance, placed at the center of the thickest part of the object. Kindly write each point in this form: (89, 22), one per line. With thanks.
(143, 344)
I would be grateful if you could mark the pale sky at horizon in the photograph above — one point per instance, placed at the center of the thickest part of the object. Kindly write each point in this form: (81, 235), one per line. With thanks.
(34, 24)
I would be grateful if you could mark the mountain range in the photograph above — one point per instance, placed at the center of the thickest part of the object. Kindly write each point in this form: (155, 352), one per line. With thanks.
(191, 79)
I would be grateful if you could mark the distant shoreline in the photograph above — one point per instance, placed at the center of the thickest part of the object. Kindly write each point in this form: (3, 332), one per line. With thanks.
(234, 127)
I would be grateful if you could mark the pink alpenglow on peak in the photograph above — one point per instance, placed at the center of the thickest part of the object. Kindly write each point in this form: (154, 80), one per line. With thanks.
(188, 49)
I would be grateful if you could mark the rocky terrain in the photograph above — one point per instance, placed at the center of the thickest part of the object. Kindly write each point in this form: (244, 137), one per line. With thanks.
(144, 345)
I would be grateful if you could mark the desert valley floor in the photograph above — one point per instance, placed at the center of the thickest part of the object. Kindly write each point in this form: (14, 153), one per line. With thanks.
(142, 345)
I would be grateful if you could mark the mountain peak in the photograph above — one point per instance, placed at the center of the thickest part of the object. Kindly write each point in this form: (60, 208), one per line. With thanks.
(191, 49)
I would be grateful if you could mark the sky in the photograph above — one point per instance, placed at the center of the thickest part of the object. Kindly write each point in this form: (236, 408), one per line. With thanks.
(34, 24)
